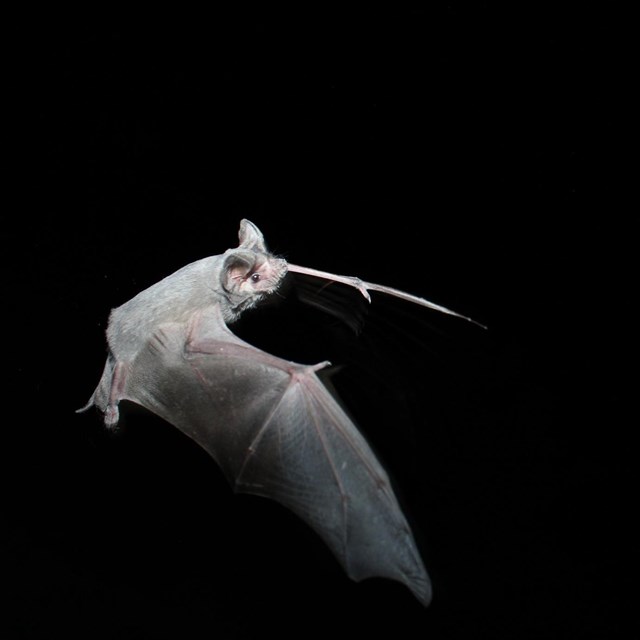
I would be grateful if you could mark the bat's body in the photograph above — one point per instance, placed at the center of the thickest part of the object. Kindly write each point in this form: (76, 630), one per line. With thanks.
(270, 424)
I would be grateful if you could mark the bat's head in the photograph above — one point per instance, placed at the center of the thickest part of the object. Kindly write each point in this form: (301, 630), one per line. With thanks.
(250, 272)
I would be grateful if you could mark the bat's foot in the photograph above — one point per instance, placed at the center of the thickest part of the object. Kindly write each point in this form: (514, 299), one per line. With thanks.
(111, 415)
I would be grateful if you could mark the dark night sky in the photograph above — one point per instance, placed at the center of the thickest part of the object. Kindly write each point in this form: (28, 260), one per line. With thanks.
(471, 156)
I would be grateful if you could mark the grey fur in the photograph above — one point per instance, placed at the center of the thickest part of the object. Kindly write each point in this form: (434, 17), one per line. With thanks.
(221, 280)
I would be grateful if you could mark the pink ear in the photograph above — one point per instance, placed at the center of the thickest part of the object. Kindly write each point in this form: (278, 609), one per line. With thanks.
(250, 236)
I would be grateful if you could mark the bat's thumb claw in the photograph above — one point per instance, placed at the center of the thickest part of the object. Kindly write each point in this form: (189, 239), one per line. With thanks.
(362, 288)
(321, 365)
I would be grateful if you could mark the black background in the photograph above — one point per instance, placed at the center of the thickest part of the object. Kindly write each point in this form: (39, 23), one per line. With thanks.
(474, 156)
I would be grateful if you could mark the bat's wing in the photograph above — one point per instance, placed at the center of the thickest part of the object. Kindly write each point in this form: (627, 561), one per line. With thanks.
(277, 432)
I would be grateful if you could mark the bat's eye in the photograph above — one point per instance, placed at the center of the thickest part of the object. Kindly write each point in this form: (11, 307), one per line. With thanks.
(255, 277)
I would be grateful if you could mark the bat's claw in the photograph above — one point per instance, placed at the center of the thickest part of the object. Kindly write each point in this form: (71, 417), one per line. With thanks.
(361, 286)
(321, 365)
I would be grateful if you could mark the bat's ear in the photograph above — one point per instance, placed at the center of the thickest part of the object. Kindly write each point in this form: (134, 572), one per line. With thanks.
(250, 236)
(237, 265)
(241, 262)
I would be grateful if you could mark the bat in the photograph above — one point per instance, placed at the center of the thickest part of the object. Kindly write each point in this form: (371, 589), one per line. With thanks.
(270, 424)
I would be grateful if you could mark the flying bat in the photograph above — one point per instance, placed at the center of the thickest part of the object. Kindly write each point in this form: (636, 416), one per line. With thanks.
(271, 425)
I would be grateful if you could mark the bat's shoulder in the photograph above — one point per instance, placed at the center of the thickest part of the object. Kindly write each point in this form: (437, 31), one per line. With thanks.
(173, 299)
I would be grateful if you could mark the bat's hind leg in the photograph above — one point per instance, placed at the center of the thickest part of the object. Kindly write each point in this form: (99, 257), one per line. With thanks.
(118, 379)
(109, 391)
